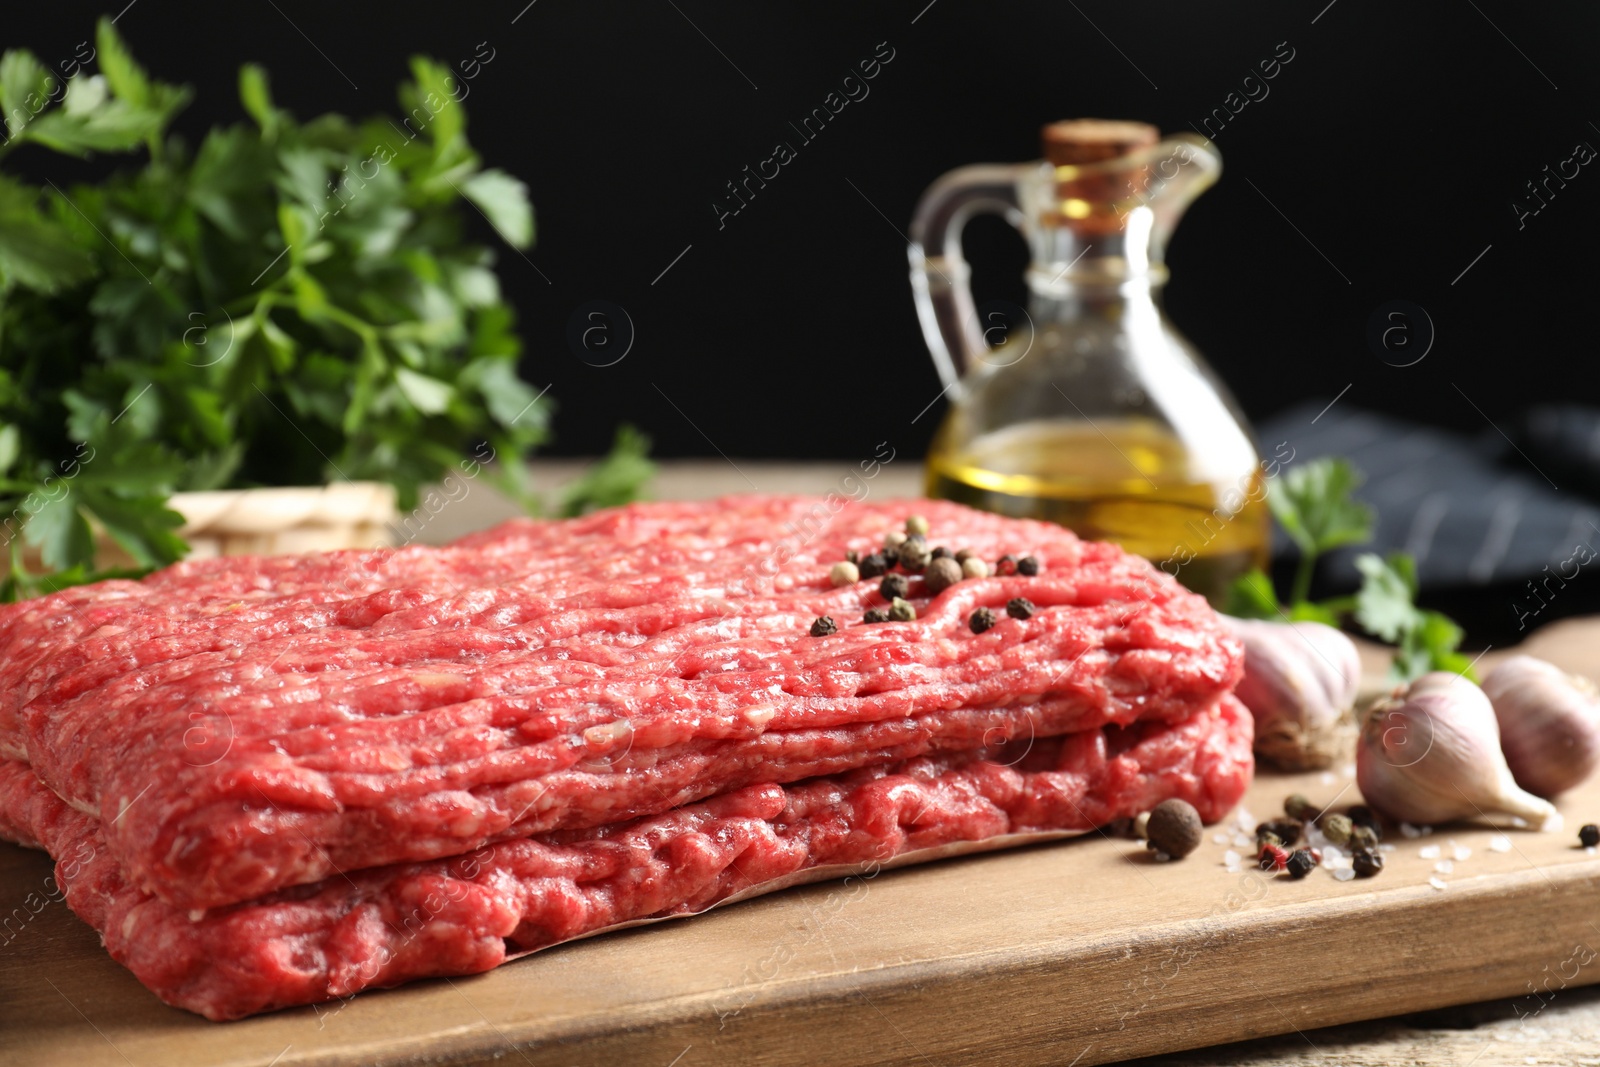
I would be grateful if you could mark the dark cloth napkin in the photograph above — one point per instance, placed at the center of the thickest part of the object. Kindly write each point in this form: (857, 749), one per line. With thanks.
(1504, 525)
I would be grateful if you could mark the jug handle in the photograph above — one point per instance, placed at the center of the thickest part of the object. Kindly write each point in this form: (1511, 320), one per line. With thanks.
(940, 277)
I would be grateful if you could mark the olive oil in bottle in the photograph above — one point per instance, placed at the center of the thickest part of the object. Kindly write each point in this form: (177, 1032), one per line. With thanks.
(1124, 480)
(1090, 408)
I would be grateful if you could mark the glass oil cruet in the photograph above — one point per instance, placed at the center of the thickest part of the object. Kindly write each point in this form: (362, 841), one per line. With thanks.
(1089, 408)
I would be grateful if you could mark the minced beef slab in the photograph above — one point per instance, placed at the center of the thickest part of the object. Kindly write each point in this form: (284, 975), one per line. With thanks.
(242, 725)
(388, 925)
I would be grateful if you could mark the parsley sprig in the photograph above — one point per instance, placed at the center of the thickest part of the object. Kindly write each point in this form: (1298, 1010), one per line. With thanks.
(1314, 504)
(284, 303)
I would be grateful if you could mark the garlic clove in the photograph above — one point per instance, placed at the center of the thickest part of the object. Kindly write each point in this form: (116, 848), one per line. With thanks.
(1300, 680)
(1549, 724)
(1430, 753)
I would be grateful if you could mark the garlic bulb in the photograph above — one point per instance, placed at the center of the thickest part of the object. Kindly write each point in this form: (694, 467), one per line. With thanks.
(1300, 680)
(1430, 753)
(1549, 724)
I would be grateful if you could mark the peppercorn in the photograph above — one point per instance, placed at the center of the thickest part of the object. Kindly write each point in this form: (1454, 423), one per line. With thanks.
(876, 615)
(902, 611)
(980, 620)
(913, 554)
(1019, 607)
(892, 540)
(1336, 828)
(1287, 831)
(873, 565)
(1265, 838)
(973, 567)
(1173, 828)
(1362, 815)
(942, 552)
(916, 524)
(1366, 862)
(893, 585)
(1006, 565)
(1273, 858)
(1363, 837)
(1028, 566)
(1298, 807)
(941, 575)
(963, 555)
(1141, 826)
(1301, 863)
(823, 626)
(1589, 835)
(844, 573)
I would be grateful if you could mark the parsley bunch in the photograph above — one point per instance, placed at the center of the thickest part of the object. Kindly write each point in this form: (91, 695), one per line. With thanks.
(284, 303)
(1315, 506)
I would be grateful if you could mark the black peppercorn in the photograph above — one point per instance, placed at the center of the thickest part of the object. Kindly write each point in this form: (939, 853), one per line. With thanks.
(964, 555)
(1301, 863)
(980, 620)
(851, 556)
(1028, 565)
(1366, 862)
(876, 615)
(1019, 607)
(940, 553)
(913, 554)
(873, 565)
(1589, 836)
(823, 627)
(893, 585)
(1362, 815)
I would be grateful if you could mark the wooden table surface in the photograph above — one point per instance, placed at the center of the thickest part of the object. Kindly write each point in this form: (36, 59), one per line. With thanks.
(848, 973)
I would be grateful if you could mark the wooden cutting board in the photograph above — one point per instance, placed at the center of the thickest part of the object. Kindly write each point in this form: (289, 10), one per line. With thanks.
(1077, 952)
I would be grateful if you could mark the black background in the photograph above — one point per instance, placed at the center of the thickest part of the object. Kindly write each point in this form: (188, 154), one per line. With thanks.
(1385, 158)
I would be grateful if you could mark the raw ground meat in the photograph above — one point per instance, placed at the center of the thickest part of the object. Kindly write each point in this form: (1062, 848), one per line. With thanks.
(242, 725)
(389, 925)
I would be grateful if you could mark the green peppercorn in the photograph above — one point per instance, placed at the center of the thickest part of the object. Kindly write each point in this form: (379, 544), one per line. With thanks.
(876, 615)
(823, 626)
(1366, 862)
(1336, 828)
(1019, 607)
(1028, 566)
(916, 524)
(1301, 863)
(1287, 831)
(980, 620)
(1363, 837)
(902, 611)
(1266, 837)
(1589, 835)
(873, 565)
(1298, 807)
(913, 554)
(941, 575)
(894, 585)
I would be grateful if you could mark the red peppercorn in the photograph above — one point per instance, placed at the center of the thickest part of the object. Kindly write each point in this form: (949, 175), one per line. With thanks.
(1006, 565)
(1273, 858)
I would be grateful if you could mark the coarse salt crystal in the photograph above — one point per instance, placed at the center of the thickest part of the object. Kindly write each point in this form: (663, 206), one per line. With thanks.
(1387, 847)
(1348, 770)
(1221, 839)
(1462, 852)
(1437, 883)
(1161, 857)
(1429, 852)
(1328, 778)
(1242, 840)
(1407, 830)
(1231, 859)
(1499, 843)
(1344, 874)
(1444, 866)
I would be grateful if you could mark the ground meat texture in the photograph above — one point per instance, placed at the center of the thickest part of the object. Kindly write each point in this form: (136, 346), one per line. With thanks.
(242, 725)
(467, 914)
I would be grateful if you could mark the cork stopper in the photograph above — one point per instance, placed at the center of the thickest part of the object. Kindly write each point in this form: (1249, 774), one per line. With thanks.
(1077, 141)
